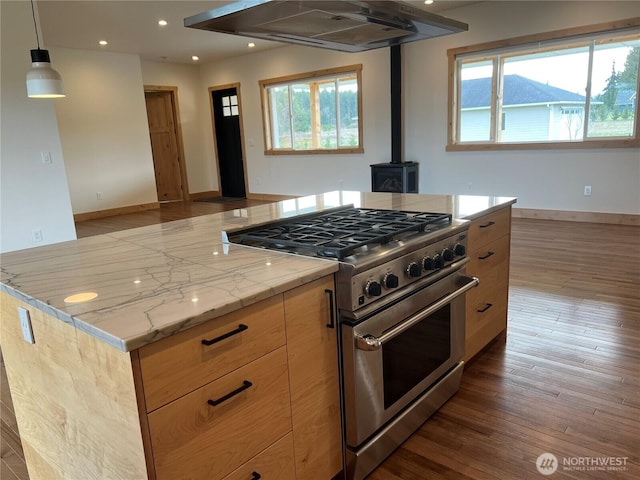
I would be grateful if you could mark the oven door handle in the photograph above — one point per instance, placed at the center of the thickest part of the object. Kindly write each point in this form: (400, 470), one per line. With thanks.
(371, 342)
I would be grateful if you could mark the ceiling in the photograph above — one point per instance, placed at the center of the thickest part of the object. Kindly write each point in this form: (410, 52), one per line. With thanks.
(131, 26)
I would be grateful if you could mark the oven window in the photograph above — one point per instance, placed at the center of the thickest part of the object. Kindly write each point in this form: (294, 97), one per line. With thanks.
(414, 354)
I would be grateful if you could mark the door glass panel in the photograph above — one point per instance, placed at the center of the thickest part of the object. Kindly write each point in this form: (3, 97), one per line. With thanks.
(414, 354)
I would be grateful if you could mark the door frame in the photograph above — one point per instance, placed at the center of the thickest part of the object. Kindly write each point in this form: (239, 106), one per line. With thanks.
(176, 121)
(242, 143)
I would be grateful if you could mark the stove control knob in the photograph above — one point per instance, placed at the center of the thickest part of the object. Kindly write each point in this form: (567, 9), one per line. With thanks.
(437, 261)
(390, 280)
(427, 263)
(414, 270)
(447, 255)
(460, 250)
(372, 289)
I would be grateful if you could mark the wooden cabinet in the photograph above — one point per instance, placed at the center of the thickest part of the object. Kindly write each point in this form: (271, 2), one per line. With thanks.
(276, 462)
(313, 374)
(273, 367)
(217, 395)
(179, 364)
(262, 397)
(486, 306)
(74, 399)
(210, 441)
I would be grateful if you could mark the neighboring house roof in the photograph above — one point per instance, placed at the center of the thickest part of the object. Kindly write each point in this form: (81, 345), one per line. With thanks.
(626, 97)
(517, 90)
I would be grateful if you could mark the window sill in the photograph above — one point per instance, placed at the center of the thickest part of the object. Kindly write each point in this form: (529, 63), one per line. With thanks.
(342, 151)
(590, 144)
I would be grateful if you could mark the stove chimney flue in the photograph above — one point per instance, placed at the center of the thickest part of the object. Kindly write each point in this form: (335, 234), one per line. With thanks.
(396, 104)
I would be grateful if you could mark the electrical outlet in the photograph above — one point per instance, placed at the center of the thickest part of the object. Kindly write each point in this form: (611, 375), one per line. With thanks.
(36, 235)
(25, 323)
(46, 158)
(99, 195)
(587, 190)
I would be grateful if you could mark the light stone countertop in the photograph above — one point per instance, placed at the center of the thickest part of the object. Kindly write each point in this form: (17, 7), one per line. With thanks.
(154, 281)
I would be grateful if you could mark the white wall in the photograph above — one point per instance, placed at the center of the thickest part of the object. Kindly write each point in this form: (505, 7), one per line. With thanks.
(104, 130)
(201, 171)
(33, 196)
(541, 179)
(105, 141)
(304, 174)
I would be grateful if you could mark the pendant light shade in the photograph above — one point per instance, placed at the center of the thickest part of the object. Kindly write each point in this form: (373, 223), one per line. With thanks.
(42, 80)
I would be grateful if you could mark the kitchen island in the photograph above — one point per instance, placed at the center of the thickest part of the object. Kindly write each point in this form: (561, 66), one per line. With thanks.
(114, 386)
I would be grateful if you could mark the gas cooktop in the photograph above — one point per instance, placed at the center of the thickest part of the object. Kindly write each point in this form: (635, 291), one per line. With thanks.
(341, 232)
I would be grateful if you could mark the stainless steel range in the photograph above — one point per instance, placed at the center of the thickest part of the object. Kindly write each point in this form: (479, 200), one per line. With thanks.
(400, 298)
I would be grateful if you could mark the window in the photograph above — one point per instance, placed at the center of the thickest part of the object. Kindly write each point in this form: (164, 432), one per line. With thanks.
(573, 88)
(317, 112)
(230, 106)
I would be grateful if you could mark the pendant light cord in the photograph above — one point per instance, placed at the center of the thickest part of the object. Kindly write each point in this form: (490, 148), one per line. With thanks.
(33, 11)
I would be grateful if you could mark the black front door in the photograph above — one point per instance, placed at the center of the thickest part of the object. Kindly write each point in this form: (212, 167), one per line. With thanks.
(226, 114)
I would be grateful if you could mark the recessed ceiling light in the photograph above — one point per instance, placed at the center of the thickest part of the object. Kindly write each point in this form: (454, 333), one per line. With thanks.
(251, 45)
(195, 58)
(428, 2)
(102, 42)
(163, 23)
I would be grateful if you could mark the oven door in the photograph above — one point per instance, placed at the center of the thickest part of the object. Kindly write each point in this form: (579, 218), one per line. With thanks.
(394, 355)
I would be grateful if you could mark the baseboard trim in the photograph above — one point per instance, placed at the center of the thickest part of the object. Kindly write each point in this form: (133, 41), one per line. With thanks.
(80, 217)
(250, 196)
(270, 196)
(209, 194)
(573, 216)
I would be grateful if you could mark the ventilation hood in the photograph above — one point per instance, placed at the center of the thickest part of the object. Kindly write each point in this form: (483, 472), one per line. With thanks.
(348, 26)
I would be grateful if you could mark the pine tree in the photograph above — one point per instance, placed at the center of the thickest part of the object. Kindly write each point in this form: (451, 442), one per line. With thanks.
(629, 76)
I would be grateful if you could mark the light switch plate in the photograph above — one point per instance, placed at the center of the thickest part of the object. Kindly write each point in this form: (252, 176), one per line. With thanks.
(25, 323)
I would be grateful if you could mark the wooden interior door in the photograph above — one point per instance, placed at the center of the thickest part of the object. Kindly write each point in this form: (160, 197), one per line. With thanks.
(164, 145)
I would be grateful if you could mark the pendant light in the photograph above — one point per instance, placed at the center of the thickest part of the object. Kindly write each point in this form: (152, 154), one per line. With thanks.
(42, 80)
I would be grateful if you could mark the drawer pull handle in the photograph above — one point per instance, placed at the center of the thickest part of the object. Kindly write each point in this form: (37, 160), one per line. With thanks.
(482, 310)
(332, 320)
(246, 384)
(484, 257)
(241, 328)
(487, 225)
(255, 476)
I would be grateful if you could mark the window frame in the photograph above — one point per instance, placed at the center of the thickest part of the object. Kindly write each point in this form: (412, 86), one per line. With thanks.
(309, 77)
(520, 44)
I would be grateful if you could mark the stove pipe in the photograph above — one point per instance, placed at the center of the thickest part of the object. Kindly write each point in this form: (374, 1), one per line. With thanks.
(396, 104)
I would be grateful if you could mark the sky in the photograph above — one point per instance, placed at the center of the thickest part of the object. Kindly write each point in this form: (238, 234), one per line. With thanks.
(568, 72)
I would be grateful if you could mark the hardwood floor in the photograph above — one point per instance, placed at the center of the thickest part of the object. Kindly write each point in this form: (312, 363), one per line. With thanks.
(566, 382)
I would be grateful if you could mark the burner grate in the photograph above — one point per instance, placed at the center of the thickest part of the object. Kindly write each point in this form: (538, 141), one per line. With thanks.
(338, 234)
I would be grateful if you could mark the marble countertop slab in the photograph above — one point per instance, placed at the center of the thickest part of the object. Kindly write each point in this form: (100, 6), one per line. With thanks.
(154, 281)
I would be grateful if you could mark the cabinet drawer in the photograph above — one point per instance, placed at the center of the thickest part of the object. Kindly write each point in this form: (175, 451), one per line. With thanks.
(192, 439)
(493, 273)
(181, 363)
(489, 326)
(489, 256)
(275, 463)
(488, 307)
(489, 227)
